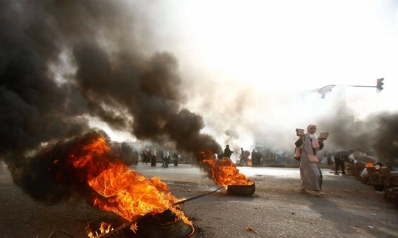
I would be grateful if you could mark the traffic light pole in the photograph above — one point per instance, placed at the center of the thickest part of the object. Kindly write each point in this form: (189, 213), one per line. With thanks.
(360, 86)
(379, 84)
(328, 88)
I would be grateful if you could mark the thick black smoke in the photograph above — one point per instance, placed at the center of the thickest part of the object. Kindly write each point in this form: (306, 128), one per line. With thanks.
(33, 107)
(347, 133)
(50, 176)
(378, 133)
(386, 142)
(113, 81)
(63, 60)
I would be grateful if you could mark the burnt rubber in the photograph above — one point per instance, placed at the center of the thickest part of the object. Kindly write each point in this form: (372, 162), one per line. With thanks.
(241, 190)
(163, 225)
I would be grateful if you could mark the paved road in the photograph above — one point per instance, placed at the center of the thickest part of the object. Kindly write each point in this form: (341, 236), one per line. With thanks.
(349, 208)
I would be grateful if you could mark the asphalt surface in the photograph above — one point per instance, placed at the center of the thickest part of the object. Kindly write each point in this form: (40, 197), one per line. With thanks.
(348, 209)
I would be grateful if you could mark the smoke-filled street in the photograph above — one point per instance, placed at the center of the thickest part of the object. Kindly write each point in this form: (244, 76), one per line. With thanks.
(238, 93)
(348, 209)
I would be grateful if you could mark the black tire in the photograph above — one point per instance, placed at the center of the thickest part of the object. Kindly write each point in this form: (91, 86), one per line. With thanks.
(241, 190)
(163, 225)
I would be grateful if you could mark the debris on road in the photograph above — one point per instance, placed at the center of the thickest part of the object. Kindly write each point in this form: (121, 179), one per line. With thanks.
(248, 228)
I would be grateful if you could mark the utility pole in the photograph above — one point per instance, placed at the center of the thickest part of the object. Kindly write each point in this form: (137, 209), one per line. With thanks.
(328, 88)
(379, 84)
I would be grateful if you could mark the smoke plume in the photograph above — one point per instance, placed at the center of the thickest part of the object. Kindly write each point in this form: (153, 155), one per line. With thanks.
(271, 118)
(61, 61)
(105, 75)
(50, 176)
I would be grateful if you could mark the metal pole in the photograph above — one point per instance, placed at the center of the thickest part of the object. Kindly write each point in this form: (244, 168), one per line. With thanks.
(362, 86)
(193, 198)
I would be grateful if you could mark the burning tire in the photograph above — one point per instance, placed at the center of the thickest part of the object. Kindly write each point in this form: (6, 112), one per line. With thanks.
(241, 190)
(163, 225)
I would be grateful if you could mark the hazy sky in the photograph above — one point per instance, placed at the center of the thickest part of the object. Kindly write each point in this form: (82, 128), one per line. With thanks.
(257, 50)
(283, 44)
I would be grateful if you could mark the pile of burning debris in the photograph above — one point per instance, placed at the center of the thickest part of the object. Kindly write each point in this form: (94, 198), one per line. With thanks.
(381, 178)
(86, 164)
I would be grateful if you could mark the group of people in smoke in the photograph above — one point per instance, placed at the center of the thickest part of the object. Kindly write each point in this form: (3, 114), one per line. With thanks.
(150, 156)
(243, 156)
(342, 157)
(255, 157)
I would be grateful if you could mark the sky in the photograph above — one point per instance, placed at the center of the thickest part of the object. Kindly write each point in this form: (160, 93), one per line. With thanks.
(283, 45)
(246, 60)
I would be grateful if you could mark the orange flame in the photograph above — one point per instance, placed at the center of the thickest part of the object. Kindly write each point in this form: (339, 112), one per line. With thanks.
(224, 172)
(120, 189)
(105, 228)
(369, 164)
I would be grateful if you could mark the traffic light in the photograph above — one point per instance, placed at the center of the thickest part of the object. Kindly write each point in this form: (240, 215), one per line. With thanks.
(380, 84)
